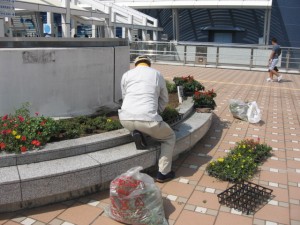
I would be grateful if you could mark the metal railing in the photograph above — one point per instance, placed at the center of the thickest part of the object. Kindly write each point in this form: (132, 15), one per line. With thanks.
(216, 55)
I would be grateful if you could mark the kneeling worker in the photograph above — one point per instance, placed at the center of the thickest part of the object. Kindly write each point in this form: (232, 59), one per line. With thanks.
(145, 96)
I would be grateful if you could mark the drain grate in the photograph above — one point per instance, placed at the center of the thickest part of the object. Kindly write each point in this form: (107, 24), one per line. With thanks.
(245, 196)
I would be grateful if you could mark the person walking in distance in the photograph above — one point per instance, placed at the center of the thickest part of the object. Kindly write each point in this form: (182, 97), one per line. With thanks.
(145, 96)
(273, 60)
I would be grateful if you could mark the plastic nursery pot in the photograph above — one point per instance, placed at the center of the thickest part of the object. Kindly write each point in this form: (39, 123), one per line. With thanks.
(188, 93)
(203, 110)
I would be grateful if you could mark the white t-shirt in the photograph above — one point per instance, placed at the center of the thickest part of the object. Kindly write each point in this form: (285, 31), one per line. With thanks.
(144, 94)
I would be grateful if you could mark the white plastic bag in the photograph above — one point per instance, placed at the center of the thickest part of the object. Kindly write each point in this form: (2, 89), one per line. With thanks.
(238, 109)
(245, 111)
(135, 199)
(253, 113)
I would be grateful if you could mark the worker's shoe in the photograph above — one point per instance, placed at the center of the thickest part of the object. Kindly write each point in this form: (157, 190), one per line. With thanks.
(139, 140)
(164, 178)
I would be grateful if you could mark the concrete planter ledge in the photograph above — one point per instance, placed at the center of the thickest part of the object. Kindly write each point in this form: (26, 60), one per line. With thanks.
(80, 146)
(44, 182)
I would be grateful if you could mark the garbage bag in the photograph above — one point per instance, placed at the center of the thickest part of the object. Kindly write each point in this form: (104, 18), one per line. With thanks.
(135, 199)
(253, 113)
(247, 111)
(238, 109)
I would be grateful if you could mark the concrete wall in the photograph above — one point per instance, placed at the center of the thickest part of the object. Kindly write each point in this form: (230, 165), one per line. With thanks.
(61, 81)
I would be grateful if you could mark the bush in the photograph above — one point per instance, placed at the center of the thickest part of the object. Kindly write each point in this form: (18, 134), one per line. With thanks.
(241, 163)
(172, 88)
(169, 114)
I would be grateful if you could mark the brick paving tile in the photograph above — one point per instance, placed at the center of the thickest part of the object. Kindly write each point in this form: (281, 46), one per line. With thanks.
(172, 209)
(295, 212)
(294, 177)
(104, 220)
(204, 199)
(280, 194)
(194, 218)
(228, 219)
(294, 192)
(212, 182)
(75, 213)
(190, 174)
(271, 177)
(45, 214)
(274, 214)
(178, 189)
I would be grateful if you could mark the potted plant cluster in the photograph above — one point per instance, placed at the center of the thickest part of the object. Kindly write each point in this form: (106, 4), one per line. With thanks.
(189, 84)
(204, 99)
(241, 163)
(171, 115)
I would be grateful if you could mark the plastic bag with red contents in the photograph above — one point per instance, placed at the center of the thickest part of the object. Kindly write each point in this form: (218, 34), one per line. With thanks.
(135, 199)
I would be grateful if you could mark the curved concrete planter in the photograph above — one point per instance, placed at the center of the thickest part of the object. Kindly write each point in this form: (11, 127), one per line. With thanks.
(68, 169)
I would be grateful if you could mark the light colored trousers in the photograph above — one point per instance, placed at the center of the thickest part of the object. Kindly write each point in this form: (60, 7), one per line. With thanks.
(160, 131)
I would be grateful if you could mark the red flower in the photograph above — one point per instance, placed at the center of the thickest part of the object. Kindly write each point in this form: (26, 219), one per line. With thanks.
(23, 149)
(8, 131)
(2, 145)
(16, 125)
(39, 133)
(23, 138)
(36, 143)
(5, 124)
(43, 122)
(21, 119)
(5, 117)
(36, 113)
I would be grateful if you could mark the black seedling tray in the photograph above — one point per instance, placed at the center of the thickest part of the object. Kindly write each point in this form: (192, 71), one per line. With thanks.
(245, 196)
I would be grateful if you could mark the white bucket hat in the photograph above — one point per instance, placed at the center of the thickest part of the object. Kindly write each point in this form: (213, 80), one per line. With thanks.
(142, 58)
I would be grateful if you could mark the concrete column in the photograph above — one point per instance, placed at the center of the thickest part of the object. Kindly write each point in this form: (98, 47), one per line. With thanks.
(155, 32)
(109, 29)
(144, 31)
(94, 31)
(129, 34)
(175, 25)
(2, 31)
(50, 21)
(66, 19)
(267, 25)
(73, 27)
(124, 32)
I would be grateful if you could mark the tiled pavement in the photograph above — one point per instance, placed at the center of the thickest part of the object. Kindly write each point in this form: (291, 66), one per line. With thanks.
(191, 199)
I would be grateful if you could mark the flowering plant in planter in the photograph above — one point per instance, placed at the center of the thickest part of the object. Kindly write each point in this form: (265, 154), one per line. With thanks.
(204, 99)
(241, 163)
(20, 132)
(190, 85)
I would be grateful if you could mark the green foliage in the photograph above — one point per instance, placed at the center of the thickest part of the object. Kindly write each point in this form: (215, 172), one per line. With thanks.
(204, 99)
(172, 88)
(241, 163)
(169, 114)
(21, 132)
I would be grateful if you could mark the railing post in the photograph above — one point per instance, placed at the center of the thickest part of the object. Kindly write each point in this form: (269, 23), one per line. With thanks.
(251, 59)
(287, 60)
(185, 54)
(217, 57)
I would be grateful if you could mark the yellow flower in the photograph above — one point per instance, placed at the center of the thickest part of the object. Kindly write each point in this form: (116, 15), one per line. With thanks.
(220, 160)
(212, 163)
(18, 136)
(108, 120)
(244, 146)
(14, 132)
(242, 166)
